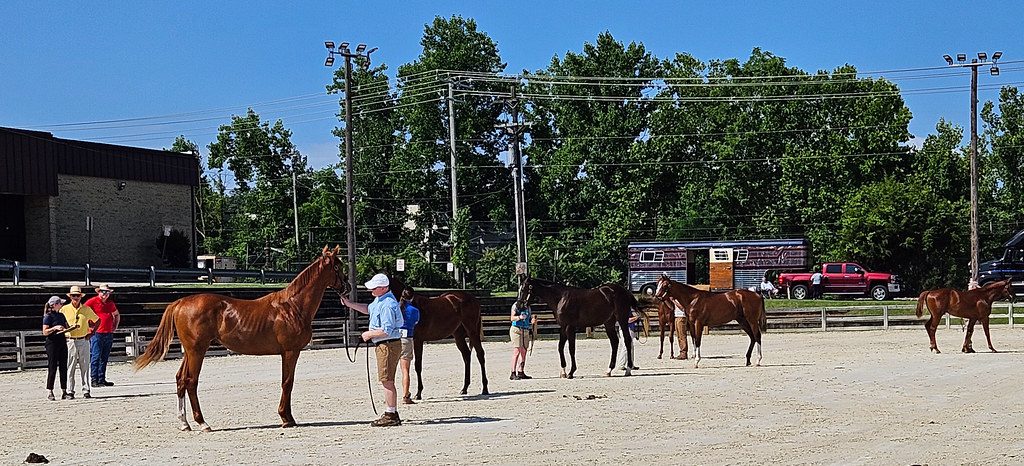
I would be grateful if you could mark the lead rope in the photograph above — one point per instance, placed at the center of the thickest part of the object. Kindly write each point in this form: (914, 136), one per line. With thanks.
(352, 359)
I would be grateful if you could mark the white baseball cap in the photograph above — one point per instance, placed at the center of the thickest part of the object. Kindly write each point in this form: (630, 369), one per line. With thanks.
(377, 281)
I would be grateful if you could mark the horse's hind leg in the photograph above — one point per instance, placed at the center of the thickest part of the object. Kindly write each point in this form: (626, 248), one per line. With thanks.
(984, 326)
(562, 339)
(288, 360)
(572, 352)
(180, 378)
(194, 366)
(460, 342)
(418, 352)
(930, 326)
(750, 333)
(613, 339)
(968, 345)
(476, 341)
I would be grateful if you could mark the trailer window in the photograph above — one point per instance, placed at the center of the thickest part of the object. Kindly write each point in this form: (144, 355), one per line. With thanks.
(652, 256)
(741, 255)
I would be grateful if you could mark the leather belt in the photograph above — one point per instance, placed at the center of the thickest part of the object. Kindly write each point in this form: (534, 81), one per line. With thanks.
(386, 341)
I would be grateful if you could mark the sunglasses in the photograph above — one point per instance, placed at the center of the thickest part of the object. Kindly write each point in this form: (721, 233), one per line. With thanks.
(104, 292)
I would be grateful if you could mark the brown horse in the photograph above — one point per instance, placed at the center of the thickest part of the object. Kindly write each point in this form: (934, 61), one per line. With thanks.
(452, 314)
(974, 305)
(707, 309)
(278, 323)
(577, 308)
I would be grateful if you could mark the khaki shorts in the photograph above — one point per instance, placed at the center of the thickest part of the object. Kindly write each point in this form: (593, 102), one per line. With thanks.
(387, 360)
(520, 337)
(407, 349)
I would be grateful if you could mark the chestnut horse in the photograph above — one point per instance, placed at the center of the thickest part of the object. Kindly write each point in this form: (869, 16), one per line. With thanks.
(974, 305)
(577, 308)
(278, 323)
(707, 309)
(452, 314)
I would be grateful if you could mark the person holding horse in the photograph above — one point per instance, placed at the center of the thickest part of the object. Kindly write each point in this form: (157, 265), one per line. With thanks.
(385, 331)
(410, 316)
(681, 324)
(634, 331)
(523, 321)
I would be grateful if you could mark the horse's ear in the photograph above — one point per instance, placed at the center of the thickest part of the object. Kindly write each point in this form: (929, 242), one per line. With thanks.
(337, 248)
(324, 252)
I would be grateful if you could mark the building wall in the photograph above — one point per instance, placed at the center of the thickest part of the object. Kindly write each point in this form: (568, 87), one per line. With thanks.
(39, 236)
(127, 223)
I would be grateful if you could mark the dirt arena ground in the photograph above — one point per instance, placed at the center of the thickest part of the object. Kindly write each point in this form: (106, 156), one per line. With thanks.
(854, 397)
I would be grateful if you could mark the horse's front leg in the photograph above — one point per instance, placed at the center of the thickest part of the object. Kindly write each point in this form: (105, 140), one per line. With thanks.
(613, 339)
(661, 351)
(418, 355)
(984, 326)
(288, 361)
(696, 333)
(968, 345)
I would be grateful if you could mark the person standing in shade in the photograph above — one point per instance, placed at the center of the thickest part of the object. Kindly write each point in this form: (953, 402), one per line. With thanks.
(84, 320)
(816, 284)
(681, 324)
(410, 316)
(103, 340)
(54, 326)
(385, 332)
(523, 321)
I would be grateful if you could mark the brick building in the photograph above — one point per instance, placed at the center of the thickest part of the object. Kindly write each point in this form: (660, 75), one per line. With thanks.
(50, 189)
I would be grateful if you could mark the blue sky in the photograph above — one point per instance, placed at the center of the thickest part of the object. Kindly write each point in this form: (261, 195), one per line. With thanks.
(73, 62)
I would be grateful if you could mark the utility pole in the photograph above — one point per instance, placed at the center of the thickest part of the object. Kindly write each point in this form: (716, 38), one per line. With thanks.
(350, 223)
(295, 204)
(455, 197)
(961, 61)
(516, 129)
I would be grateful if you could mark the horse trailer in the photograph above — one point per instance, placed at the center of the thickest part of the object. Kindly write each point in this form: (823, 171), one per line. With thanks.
(731, 264)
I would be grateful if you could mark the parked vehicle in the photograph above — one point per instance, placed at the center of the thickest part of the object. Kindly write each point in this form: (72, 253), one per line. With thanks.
(846, 278)
(731, 264)
(1011, 265)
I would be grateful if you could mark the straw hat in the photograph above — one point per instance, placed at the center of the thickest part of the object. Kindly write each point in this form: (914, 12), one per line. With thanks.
(75, 291)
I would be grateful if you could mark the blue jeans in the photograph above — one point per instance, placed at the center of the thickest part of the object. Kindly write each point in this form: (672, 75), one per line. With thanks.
(101, 344)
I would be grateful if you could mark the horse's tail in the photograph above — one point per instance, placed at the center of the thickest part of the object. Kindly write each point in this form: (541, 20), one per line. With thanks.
(157, 348)
(764, 316)
(920, 303)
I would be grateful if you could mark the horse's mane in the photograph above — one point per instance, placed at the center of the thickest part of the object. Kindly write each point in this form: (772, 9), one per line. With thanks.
(303, 278)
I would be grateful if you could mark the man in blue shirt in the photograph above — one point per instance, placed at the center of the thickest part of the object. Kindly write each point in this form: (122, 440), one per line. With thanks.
(385, 331)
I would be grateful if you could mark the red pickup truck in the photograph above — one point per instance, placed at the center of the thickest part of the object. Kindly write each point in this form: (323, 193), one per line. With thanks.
(842, 278)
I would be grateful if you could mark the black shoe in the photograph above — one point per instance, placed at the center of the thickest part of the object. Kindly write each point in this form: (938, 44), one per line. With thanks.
(50, 397)
(514, 376)
(68, 396)
(107, 383)
(87, 395)
(96, 383)
(523, 376)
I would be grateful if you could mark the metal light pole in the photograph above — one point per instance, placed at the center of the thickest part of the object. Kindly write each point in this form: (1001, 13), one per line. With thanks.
(515, 128)
(350, 224)
(961, 61)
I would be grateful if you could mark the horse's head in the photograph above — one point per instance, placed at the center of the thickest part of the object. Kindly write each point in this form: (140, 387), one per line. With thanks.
(525, 290)
(1006, 291)
(664, 284)
(330, 258)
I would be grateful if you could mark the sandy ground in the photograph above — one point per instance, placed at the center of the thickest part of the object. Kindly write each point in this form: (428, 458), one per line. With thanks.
(854, 397)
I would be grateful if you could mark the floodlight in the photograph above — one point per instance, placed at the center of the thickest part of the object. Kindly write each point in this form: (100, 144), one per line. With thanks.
(371, 51)
(960, 57)
(360, 48)
(329, 44)
(329, 61)
(995, 56)
(948, 58)
(344, 45)
(994, 70)
(982, 56)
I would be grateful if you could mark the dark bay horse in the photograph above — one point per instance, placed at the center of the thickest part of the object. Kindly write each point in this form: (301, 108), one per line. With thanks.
(974, 305)
(707, 309)
(278, 323)
(666, 318)
(578, 308)
(452, 314)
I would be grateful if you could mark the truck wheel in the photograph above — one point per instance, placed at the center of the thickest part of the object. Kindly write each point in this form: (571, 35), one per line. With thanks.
(648, 289)
(800, 292)
(879, 292)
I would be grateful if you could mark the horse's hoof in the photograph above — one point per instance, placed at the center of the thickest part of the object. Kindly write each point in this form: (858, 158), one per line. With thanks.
(419, 397)
(185, 428)
(570, 376)
(462, 392)
(608, 373)
(562, 375)
(628, 373)
(485, 392)
(288, 424)
(205, 428)
(993, 350)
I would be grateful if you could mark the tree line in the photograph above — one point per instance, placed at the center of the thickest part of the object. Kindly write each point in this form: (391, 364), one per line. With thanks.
(621, 145)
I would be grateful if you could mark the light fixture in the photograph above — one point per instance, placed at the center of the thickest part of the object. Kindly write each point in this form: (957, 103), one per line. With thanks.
(982, 56)
(948, 58)
(995, 56)
(329, 44)
(994, 70)
(371, 51)
(329, 61)
(961, 57)
(360, 48)
(343, 45)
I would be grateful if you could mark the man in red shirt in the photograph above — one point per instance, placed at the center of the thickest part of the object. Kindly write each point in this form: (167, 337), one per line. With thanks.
(103, 340)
